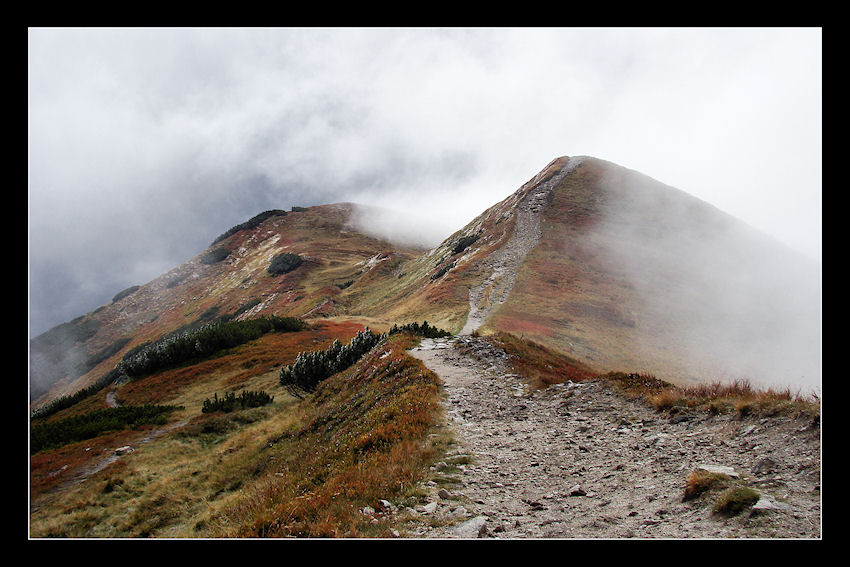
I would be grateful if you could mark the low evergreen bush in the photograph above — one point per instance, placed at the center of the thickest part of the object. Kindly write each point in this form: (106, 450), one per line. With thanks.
(424, 330)
(283, 263)
(230, 401)
(253, 222)
(442, 271)
(215, 255)
(464, 242)
(202, 342)
(310, 368)
(92, 424)
(124, 293)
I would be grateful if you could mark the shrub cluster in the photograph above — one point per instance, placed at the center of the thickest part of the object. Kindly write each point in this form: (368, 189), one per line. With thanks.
(310, 368)
(439, 273)
(283, 263)
(296, 209)
(465, 242)
(253, 222)
(173, 349)
(424, 330)
(250, 305)
(202, 342)
(215, 255)
(124, 293)
(81, 427)
(230, 401)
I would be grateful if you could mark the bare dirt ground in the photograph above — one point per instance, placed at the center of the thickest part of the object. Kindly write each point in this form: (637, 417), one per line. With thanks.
(582, 461)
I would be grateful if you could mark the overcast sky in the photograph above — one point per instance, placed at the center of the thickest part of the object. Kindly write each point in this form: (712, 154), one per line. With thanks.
(146, 144)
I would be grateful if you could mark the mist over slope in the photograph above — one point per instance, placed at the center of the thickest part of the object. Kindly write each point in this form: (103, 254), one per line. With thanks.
(639, 275)
(621, 272)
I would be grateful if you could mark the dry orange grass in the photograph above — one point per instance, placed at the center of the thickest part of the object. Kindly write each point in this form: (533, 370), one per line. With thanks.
(717, 397)
(700, 481)
(361, 437)
(540, 365)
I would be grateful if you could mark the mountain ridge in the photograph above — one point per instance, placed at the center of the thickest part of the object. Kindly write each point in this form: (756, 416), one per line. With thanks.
(593, 208)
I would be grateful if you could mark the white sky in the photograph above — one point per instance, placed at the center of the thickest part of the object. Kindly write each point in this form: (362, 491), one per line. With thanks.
(146, 144)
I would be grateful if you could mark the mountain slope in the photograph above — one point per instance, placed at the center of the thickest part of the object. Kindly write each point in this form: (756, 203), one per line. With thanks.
(633, 274)
(594, 260)
(336, 261)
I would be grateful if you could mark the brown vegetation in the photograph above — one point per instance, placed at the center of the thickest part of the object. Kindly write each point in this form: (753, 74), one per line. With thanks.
(716, 397)
(539, 365)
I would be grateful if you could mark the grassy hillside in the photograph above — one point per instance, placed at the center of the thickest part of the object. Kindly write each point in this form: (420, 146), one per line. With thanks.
(335, 266)
(295, 467)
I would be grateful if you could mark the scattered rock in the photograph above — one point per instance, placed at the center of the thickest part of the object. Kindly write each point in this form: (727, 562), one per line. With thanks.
(526, 471)
(766, 504)
(124, 450)
(473, 528)
(748, 430)
(765, 465)
(719, 469)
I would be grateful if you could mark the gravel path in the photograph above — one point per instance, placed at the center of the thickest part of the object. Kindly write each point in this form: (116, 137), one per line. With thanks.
(503, 263)
(582, 461)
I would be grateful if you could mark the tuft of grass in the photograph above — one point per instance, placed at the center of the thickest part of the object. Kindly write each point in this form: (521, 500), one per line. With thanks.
(701, 481)
(735, 500)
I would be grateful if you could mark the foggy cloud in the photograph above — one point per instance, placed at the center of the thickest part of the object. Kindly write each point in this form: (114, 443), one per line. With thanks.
(146, 144)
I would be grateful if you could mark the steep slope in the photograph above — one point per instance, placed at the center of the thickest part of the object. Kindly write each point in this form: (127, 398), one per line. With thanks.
(229, 279)
(597, 261)
(633, 274)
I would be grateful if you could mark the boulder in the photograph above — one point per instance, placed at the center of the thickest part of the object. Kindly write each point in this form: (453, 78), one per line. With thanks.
(719, 469)
(768, 504)
(473, 528)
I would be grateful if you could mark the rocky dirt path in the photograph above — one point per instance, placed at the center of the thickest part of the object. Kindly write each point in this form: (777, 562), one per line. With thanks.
(503, 264)
(582, 461)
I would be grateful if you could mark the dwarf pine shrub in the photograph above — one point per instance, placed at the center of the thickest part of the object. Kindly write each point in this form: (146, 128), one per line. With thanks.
(310, 368)
(230, 401)
(124, 293)
(253, 222)
(424, 330)
(92, 424)
(202, 342)
(283, 263)
(215, 255)
(465, 242)
(442, 271)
